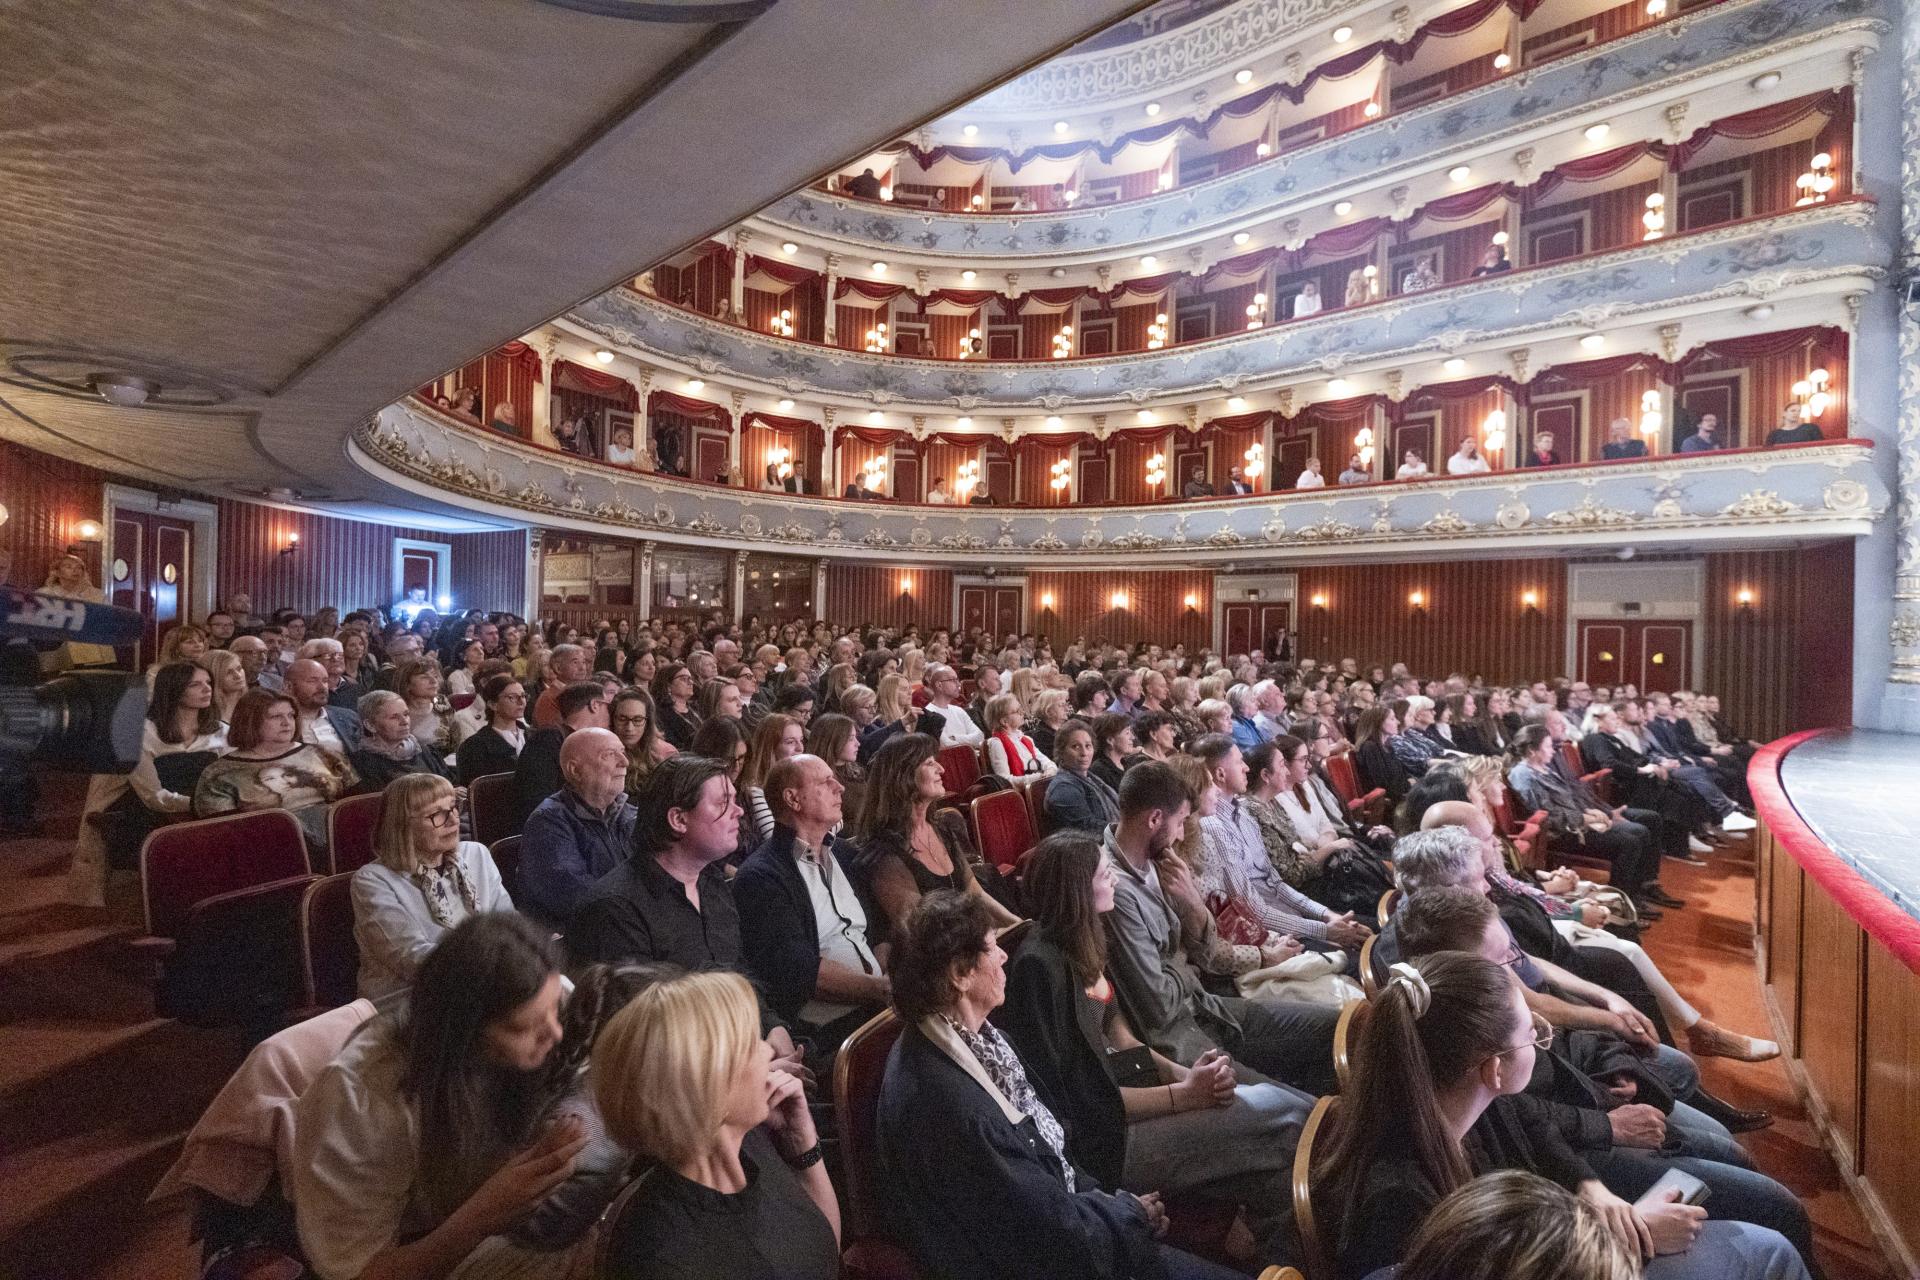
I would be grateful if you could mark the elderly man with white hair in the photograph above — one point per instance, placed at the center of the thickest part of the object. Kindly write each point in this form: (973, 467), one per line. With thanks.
(580, 832)
(330, 655)
(1415, 746)
(1270, 709)
(1246, 733)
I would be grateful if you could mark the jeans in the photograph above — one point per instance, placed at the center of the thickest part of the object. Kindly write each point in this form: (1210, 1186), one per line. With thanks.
(1702, 783)
(1242, 1152)
(1283, 1040)
(1181, 1265)
(1731, 1251)
(1738, 1194)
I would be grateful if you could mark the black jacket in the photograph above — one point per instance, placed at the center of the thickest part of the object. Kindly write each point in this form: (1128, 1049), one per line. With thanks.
(1379, 767)
(536, 774)
(779, 938)
(484, 752)
(975, 1197)
(1079, 802)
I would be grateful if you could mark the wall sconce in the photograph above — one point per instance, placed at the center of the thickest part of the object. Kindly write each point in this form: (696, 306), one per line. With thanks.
(874, 473)
(1046, 600)
(1165, 182)
(1157, 332)
(1372, 275)
(1254, 463)
(1156, 470)
(1655, 218)
(1318, 600)
(1656, 8)
(89, 531)
(1651, 416)
(1257, 311)
(782, 324)
(293, 544)
(970, 345)
(877, 337)
(1363, 445)
(1118, 600)
(1811, 394)
(967, 479)
(906, 585)
(1060, 475)
(1263, 150)
(1744, 598)
(1192, 602)
(1417, 600)
(1530, 600)
(1501, 238)
(1493, 432)
(1063, 342)
(781, 459)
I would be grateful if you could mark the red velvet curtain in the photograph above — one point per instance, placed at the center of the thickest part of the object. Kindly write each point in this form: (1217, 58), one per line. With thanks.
(688, 407)
(1593, 168)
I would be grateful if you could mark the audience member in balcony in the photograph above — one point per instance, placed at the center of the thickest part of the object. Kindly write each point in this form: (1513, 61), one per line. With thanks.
(1705, 437)
(1237, 482)
(866, 185)
(495, 747)
(425, 1136)
(1077, 800)
(687, 1084)
(1356, 472)
(1358, 290)
(1307, 301)
(1621, 442)
(568, 434)
(903, 847)
(982, 497)
(1412, 466)
(424, 880)
(1467, 460)
(620, 449)
(1197, 486)
(1542, 454)
(1310, 476)
(802, 926)
(1423, 276)
(1794, 428)
(1493, 261)
(857, 491)
(798, 481)
(465, 402)
(670, 448)
(505, 419)
(938, 495)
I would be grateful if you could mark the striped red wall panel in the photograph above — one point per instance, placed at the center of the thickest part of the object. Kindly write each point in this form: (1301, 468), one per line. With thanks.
(852, 323)
(1156, 608)
(1457, 250)
(490, 570)
(870, 593)
(1613, 217)
(1786, 662)
(47, 498)
(1473, 621)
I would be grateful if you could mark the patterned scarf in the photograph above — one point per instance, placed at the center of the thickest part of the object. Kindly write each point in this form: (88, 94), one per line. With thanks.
(441, 885)
(1003, 1067)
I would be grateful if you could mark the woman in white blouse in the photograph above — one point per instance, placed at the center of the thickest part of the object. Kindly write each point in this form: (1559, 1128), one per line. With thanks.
(426, 880)
(1311, 477)
(428, 1134)
(465, 677)
(1467, 460)
(1011, 753)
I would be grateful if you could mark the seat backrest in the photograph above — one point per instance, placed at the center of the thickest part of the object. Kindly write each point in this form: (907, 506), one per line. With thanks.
(857, 1072)
(460, 701)
(1504, 807)
(1002, 827)
(1570, 752)
(1313, 1249)
(960, 767)
(236, 960)
(506, 856)
(606, 1230)
(490, 804)
(1037, 803)
(1015, 937)
(329, 955)
(351, 824)
(1344, 1030)
(188, 862)
(180, 770)
(1369, 980)
(1345, 779)
(1384, 911)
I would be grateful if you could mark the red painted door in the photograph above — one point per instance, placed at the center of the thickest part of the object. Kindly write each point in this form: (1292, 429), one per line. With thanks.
(1655, 655)
(1276, 622)
(1419, 432)
(1008, 605)
(974, 603)
(1560, 240)
(1715, 393)
(709, 454)
(1289, 460)
(1559, 419)
(1236, 628)
(152, 571)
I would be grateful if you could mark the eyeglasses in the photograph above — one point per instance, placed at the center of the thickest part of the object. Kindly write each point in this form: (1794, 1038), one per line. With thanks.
(1542, 1038)
(443, 817)
(631, 722)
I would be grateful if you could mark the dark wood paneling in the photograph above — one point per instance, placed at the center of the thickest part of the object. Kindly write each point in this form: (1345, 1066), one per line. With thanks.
(1156, 609)
(1832, 964)
(47, 498)
(859, 594)
(1891, 1096)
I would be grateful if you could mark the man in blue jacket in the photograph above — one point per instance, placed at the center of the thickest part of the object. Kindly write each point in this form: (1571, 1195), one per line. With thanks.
(577, 834)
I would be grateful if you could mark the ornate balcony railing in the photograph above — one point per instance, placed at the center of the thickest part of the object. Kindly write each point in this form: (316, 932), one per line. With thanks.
(1828, 489)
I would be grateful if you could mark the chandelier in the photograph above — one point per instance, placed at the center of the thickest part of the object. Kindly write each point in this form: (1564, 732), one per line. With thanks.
(1157, 332)
(877, 337)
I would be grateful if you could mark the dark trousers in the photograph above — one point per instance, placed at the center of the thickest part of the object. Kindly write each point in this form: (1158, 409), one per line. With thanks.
(1285, 1041)
(1629, 849)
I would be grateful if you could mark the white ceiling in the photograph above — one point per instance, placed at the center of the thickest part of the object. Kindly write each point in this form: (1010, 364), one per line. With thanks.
(319, 207)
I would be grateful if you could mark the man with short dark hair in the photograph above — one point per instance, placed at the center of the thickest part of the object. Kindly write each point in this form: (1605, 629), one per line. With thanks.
(567, 665)
(221, 628)
(579, 833)
(1159, 928)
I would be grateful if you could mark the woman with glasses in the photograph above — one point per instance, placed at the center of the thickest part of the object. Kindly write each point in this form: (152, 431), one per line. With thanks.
(496, 747)
(673, 694)
(1436, 1098)
(632, 720)
(425, 880)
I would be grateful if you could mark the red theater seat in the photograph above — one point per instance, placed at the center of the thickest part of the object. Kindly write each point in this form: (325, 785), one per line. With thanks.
(1346, 785)
(857, 1071)
(351, 824)
(1002, 827)
(329, 956)
(189, 862)
(490, 806)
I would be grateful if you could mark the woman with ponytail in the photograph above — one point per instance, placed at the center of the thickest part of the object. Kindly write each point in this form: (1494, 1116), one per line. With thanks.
(1435, 1099)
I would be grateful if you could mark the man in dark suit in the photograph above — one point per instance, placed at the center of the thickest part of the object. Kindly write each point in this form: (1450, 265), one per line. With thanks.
(1672, 734)
(866, 186)
(1237, 482)
(1641, 781)
(321, 724)
(1620, 442)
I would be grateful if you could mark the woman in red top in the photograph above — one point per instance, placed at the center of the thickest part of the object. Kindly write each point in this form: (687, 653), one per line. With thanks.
(1011, 753)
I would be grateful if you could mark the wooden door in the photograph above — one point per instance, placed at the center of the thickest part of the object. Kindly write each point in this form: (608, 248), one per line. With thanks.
(999, 476)
(1654, 654)
(1290, 459)
(906, 475)
(1556, 240)
(1237, 623)
(1715, 393)
(1256, 624)
(152, 571)
(1007, 607)
(1096, 339)
(1711, 203)
(1563, 419)
(1096, 477)
(710, 455)
(1419, 432)
(1193, 323)
(1186, 459)
(974, 604)
(1003, 344)
(420, 568)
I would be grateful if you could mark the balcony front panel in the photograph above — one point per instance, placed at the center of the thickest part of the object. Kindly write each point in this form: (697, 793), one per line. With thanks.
(1739, 497)
(1823, 248)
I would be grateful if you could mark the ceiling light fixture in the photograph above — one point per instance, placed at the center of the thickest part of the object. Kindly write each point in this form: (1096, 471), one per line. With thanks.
(1593, 341)
(879, 268)
(786, 405)
(1149, 261)
(1598, 132)
(1765, 81)
(970, 130)
(1342, 34)
(789, 248)
(1460, 173)
(1153, 108)
(1061, 126)
(123, 389)
(1339, 386)
(1241, 237)
(694, 384)
(1052, 423)
(1762, 311)
(1243, 75)
(1343, 207)
(969, 275)
(603, 356)
(1455, 365)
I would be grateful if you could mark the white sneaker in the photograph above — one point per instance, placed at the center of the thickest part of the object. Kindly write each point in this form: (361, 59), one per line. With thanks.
(1696, 845)
(1736, 821)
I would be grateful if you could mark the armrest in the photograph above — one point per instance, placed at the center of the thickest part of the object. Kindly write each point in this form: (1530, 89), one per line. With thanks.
(1367, 801)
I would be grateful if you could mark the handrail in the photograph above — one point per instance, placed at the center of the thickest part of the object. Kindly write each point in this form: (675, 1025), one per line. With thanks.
(1189, 123)
(1232, 335)
(1868, 907)
(469, 426)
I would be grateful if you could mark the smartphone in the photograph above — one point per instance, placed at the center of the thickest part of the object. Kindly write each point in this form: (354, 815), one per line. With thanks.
(1692, 1190)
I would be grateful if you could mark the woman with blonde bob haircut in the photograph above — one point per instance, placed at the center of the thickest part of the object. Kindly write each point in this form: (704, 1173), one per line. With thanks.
(1513, 1225)
(684, 1081)
(424, 881)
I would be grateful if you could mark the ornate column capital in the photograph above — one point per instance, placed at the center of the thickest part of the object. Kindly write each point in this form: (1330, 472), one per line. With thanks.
(1284, 404)
(1670, 343)
(1396, 385)
(1520, 359)
(1676, 116)
(1013, 284)
(1523, 160)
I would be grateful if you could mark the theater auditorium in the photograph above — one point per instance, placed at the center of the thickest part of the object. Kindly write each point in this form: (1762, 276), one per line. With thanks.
(792, 639)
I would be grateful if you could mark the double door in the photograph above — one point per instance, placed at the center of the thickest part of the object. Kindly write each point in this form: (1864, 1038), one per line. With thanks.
(996, 607)
(151, 572)
(1656, 656)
